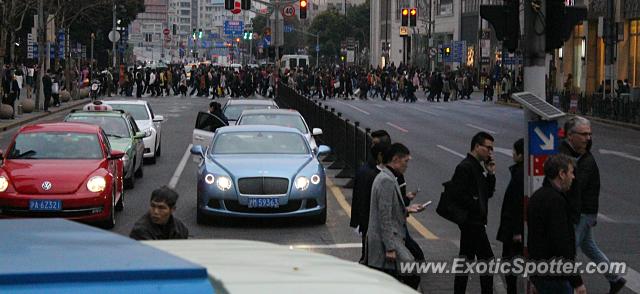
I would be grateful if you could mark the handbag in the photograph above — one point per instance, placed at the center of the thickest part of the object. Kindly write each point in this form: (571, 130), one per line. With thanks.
(447, 207)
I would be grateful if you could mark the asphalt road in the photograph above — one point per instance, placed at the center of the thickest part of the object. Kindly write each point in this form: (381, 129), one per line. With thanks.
(437, 134)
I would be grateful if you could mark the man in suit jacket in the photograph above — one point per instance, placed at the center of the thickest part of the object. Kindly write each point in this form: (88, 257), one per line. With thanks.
(472, 190)
(387, 217)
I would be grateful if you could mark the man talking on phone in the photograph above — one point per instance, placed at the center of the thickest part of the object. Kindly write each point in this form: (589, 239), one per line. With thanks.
(473, 183)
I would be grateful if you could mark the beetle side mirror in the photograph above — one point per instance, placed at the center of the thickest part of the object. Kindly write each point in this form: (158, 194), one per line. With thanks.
(116, 154)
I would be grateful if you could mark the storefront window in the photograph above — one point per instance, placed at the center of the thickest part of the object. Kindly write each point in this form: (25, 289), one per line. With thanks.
(634, 54)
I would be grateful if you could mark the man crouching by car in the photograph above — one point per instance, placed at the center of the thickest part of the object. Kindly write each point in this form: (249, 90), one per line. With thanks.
(159, 223)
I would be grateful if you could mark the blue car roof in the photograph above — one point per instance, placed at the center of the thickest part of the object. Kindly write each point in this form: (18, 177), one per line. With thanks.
(258, 128)
(62, 256)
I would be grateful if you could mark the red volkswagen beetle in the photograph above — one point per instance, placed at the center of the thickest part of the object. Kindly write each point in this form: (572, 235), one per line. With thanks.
(61, 170)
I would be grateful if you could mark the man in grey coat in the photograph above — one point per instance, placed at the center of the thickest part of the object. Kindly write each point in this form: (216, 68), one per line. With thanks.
(388, 217)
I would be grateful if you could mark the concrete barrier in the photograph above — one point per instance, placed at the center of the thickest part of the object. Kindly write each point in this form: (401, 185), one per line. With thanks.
(65, 96)
(6, 111)
(28, 105)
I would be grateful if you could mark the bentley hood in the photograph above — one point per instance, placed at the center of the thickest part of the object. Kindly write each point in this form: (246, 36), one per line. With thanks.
(242, 166)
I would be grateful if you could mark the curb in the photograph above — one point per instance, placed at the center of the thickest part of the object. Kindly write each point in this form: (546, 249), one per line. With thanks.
(39, 115)
(592, 118)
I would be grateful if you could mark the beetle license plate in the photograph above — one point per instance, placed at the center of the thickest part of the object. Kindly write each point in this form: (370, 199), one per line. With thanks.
(264, 203)
(45, 205)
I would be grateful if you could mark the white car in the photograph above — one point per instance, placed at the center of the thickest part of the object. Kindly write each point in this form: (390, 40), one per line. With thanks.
(280, 117)
(243, 266)
(234, 107)
(147, 121)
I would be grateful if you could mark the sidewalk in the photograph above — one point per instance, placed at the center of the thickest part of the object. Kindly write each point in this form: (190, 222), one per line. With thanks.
(25, 118)
(601, 120)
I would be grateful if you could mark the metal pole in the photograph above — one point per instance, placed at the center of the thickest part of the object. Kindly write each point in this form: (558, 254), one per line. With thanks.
(113, 29)
(92, 37)
(40, 40)
(317, 49)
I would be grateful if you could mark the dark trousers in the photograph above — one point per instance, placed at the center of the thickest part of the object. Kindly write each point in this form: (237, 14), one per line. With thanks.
(139, 89)
(509, 251)
(474, 244)
(47, 99)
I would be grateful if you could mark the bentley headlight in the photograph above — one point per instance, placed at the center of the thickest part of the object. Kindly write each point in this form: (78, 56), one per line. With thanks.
(315, 179)
(96, 184)
(4, 184)
(223, 183)
(301, 183)
(209, 179)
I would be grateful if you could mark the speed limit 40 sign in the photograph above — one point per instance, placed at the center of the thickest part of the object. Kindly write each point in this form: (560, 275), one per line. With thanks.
(289, 11)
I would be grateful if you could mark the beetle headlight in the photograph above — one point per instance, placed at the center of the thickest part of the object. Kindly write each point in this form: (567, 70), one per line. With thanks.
(4, 184)
(96, 184)
(315, 179)
(301, 183)
(223, 183)
(209, 179)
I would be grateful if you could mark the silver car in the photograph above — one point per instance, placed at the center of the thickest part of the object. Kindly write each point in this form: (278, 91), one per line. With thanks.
(281, 117)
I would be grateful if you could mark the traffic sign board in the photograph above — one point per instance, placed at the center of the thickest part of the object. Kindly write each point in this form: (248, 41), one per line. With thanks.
(114, 36)
(234, 28)
(288, 11)
(166, 31)
(288, 28)
(543, 137)
(404, 31)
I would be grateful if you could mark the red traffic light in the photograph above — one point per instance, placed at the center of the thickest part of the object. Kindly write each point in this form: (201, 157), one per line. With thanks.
(303, 3)
(405, 11)
(414, 11)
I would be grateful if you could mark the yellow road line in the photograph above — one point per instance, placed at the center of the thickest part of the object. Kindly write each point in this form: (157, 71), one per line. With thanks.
(342, 201)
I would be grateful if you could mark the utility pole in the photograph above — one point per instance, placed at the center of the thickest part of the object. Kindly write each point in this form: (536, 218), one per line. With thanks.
(610, 45)
(41, 38)
(113, 29)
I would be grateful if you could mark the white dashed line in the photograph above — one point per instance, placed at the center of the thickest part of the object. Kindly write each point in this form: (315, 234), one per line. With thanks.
(180, 168)
(398, 128)
(621, 154)
(503, 151)
(356, 108)
(427, 112)
(451, 151)
(482, 129)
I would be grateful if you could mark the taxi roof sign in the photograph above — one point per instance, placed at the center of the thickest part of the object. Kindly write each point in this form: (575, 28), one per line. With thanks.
(538, 105)
(97, 106)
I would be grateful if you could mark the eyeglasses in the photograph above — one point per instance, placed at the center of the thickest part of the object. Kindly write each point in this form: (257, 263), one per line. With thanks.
(490, 148)
(585, 134)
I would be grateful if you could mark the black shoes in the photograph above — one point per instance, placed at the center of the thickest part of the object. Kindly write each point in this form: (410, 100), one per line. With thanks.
(617, 285)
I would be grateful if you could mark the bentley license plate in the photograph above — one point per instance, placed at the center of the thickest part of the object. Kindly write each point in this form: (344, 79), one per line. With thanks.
(263, 203)
(48, 205)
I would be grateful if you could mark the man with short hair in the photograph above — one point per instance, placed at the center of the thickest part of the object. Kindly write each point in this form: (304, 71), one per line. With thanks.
(471, 190)
(550, 230)
(159, 223)
(584, 194)
(387, 231)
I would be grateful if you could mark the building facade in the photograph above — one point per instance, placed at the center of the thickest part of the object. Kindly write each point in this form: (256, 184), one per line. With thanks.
(583, 55)
(146, 32)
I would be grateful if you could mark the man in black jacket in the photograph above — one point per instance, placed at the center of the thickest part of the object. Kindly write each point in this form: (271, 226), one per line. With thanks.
(585, 193)
(472, 190)
(551, 235)
(511, 223)
(159, 223)
(363, 181)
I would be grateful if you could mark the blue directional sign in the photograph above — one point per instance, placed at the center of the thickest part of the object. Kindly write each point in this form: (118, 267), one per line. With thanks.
(234, 28)
(543, 137)
(288, 28)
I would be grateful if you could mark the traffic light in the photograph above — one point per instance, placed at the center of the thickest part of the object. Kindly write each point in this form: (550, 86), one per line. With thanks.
(229, 4)
(447, 51)
(245, 4)
(199, 33)
(193, 34)
(413, 17)
(559, 22)
(238, 40)
(505, 20)
(405, 17)
(247, 35)
(303, 9)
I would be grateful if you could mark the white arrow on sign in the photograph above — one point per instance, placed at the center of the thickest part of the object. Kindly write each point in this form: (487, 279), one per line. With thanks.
(548, 141)
(621, 154)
